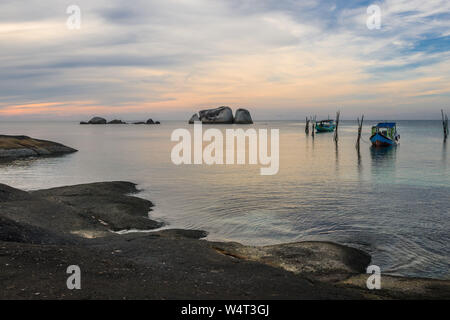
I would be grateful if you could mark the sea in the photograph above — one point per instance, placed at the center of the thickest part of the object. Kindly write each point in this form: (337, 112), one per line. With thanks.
(393, 203)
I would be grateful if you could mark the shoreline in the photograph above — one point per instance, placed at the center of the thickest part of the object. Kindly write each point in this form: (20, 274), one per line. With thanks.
(42, 232)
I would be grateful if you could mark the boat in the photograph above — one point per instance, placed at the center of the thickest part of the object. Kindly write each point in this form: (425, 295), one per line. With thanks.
(385, 134)
(325, 126)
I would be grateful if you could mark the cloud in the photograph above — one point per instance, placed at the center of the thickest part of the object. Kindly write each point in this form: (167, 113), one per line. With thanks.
(270, 55)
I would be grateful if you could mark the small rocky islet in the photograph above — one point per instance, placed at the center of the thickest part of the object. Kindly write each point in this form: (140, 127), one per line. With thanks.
(100, 120)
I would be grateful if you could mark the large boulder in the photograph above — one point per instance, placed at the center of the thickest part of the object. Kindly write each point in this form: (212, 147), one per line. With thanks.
(97, 120)
(218, 115)
(194, 118)
(150, 121)
(243, 117)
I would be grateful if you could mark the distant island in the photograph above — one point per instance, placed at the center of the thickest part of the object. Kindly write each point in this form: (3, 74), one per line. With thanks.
(100, 120)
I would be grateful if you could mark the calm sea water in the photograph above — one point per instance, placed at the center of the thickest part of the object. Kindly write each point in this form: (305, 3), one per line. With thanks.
(394, 204)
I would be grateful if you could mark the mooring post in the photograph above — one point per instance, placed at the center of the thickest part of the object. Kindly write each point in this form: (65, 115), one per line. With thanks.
(313, 132)
(307, 126)
(336, 136)
(360, 124)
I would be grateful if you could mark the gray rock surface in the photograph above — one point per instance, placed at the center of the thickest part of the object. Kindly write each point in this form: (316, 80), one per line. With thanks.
(48, 230)
(221, 115)
(243, 117)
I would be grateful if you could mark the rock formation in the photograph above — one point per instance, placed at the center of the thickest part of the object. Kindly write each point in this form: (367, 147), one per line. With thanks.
(243, 117)
(218, 115)
(194, 118)
(223, 115)
(13, 147)
(97, 120)
(117, 122)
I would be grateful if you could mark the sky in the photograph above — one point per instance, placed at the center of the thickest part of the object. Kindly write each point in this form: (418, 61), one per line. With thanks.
(281, 59)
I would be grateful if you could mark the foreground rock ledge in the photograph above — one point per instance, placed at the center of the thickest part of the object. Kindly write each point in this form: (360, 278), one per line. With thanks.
(13, 147)
(58, 227)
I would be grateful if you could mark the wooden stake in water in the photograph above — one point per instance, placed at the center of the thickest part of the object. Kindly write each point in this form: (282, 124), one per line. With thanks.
(445, 125)
(336, 136)
(307, 125)
(313, 132)
(360, 124)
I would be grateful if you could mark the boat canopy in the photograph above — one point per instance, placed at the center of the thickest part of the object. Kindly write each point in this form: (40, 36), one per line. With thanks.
(386, 125)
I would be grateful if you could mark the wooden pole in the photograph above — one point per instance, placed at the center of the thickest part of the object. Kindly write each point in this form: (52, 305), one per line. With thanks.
(336, 136)
(360, 124)
(307, 126)
(313, 132)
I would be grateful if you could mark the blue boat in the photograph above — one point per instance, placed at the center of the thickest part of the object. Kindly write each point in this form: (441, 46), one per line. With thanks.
(325, 126)
(385, 134)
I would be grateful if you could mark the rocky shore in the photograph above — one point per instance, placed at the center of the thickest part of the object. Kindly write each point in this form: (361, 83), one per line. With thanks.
(43, 232)
(13, 147)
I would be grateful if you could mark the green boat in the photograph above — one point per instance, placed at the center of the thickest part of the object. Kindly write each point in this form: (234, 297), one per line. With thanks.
(325, 126)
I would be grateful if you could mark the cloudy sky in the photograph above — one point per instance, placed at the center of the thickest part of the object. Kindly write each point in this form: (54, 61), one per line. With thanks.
(282, 59)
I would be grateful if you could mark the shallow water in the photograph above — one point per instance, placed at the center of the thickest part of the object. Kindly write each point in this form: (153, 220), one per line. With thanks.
(392, 203)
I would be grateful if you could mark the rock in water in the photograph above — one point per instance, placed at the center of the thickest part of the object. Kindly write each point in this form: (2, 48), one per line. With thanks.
(117, 122)
(97, 120)
(150, 121)
(157, 122)
(243, 117)
(219, 115)
(194, 118)
(13, 147)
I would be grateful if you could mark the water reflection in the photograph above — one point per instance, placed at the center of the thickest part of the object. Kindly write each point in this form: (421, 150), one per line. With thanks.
(359, 162)
(444, 154)
(383, 161)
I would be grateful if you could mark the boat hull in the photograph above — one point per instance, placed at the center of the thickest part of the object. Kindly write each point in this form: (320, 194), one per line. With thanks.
(325, 129)
(379, 140)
